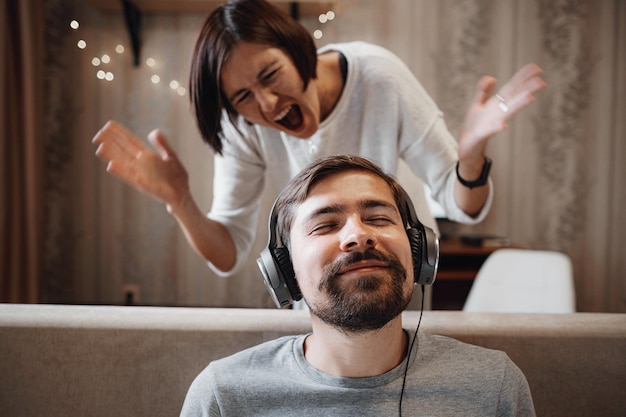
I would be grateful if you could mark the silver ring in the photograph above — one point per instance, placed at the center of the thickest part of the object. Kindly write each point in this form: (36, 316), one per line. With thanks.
(503, 106)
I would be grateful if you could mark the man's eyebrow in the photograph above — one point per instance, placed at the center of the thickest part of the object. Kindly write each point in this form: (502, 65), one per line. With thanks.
(334, 208)
(378, 203)
(259, 76)
(337, 208)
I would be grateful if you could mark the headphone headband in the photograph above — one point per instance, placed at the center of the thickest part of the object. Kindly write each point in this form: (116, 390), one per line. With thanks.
(277, 270)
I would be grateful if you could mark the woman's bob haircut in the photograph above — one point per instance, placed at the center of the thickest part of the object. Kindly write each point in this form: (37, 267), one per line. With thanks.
(254, 21)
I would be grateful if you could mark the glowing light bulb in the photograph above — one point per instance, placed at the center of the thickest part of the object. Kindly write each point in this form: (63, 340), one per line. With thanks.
(95, 61)
(101, 74)
(150, 62)
(74, 24)
(119, 49)
(155, 79)
(105, 59)
(81, 44)
(330, 15)
(181, 91)
(174, 84)
(323, 18)
(317, 34)
(109, 76)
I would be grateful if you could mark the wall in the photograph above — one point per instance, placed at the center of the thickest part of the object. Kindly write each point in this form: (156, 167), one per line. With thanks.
(558, 169)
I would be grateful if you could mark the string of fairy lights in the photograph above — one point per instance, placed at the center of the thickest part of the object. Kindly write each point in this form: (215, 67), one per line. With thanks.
(102, 61)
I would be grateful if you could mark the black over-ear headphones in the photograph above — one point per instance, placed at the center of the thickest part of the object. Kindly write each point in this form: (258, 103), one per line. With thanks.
(275, 261)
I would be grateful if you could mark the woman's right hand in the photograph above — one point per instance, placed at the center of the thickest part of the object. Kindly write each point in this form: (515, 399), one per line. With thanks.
(159, 174)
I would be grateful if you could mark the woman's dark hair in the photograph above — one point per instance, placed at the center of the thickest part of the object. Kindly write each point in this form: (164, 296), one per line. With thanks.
(255, 21)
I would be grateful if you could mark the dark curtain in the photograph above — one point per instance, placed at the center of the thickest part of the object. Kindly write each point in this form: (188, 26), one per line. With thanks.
(21, 149)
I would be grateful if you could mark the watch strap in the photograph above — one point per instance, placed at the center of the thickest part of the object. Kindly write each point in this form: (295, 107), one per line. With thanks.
(482, 180)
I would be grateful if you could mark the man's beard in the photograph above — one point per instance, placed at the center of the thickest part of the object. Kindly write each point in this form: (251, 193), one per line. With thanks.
(364, 303)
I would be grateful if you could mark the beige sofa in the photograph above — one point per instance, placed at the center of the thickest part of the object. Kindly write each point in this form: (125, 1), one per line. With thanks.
(139, 361)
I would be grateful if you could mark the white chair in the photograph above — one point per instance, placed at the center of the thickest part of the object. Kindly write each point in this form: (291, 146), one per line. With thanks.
(523, 281)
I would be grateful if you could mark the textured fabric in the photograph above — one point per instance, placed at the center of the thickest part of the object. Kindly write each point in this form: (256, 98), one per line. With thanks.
(383, 114)
(445, 378)
(102, 361)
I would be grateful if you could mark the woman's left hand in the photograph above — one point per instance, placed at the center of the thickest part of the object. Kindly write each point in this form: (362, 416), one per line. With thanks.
(489, 113)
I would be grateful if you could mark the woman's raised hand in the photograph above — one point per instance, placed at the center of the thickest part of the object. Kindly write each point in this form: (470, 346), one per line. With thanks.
(159, 174)
(489, 113)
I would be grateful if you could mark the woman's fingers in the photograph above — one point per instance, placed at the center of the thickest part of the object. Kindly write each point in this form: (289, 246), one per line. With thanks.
(484, 88)
(527, 78)
(122, 151)
(520, 90)
(160, 144)
(115, 141)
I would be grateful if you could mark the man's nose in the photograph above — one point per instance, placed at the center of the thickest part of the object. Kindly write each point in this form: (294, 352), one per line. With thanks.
(356, 236)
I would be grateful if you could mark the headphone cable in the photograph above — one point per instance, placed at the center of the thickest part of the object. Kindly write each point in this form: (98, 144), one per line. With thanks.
(408, 355)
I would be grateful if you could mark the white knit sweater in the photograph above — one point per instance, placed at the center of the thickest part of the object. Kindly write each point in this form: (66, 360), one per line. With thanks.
(383, 114)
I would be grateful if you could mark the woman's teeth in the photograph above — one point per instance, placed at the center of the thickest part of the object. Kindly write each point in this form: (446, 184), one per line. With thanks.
(282, 114)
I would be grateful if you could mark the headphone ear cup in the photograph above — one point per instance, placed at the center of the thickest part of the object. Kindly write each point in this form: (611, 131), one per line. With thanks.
(424, 246)
(425, 252)
(415, 239)
(283, 260)
(272, 277)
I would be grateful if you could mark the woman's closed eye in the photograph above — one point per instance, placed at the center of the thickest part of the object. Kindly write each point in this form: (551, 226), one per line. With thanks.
(269, 77)
(265, 80)
(243, 97)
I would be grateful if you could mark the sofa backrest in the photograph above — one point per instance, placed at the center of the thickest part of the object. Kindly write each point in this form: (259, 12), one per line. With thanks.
(139, 361)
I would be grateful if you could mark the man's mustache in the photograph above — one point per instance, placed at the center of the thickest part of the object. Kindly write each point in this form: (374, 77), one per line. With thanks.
(331, 270)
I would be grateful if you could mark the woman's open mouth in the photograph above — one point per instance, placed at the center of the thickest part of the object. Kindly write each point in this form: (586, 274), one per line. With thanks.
(291, 118)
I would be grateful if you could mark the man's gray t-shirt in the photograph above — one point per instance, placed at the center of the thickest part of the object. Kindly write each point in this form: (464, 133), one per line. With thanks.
(445, 378)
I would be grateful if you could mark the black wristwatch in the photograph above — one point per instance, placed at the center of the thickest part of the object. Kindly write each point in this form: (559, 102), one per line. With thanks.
(482, 180)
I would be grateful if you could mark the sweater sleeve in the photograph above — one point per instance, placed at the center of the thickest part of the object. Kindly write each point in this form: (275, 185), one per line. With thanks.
(201, 399)
(238, 183)
(433, 158)
(427, 146)
(515, 397)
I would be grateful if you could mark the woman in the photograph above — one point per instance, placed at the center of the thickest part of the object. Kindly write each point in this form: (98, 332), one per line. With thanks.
(268, 104)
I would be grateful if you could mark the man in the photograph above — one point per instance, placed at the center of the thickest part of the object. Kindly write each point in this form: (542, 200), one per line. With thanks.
(349, 245)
